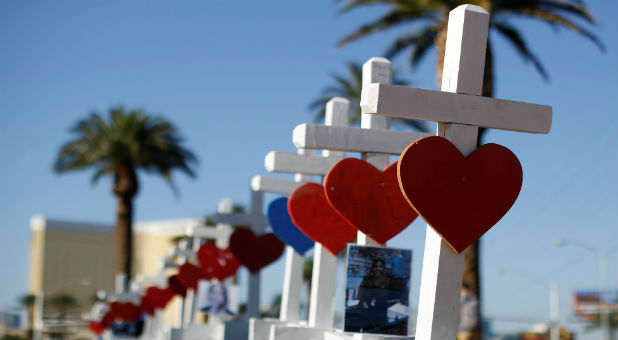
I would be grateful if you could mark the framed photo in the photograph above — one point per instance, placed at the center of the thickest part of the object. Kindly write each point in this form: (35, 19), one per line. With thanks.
(377, 290)
(218, 299)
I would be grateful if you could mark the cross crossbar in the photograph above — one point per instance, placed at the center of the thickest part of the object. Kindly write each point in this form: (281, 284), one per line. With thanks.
(446, 107)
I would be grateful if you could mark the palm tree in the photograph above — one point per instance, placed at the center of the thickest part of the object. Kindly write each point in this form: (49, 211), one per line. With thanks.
(428, 22)
(129, 141)
(350, 87)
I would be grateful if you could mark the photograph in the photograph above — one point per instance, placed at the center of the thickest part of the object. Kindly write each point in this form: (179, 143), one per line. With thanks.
(377, 290)
(218, 299)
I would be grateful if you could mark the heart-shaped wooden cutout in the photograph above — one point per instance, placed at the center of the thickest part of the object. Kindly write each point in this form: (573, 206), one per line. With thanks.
(96, 327)
(189, 274)
(368, 199)
(314, 216)
(281, 223)
(255, 252)
(146, 306)
(217, 263)
(158, 298)
(176, 286)
(460, 198)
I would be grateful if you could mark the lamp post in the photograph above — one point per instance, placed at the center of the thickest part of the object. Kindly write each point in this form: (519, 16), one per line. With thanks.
(603, 285)
(554, 302)
(39, 323)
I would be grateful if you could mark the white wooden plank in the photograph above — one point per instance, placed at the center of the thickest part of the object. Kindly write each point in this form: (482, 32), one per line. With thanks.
(439, 295)
(286, 332)
(376, 70)
(253, 301)
(259, 329)
(321, 304)
(292, 283)
(242, 219)
(287, 162)
(337, 114)
(274, 185)
(413, 103)
(210, 232)
(353, 139)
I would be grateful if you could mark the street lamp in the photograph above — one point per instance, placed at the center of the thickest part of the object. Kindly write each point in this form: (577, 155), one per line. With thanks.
(603, 285)
(554, 302)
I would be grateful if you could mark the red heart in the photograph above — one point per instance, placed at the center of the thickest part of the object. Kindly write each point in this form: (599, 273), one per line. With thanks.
(146, 306)
(176, 286)
(217, 263)
(459, 198)
(189, 274)
(255, 252)
(312, 214)
(157, 297)
(368, 199)
(96, 327)
(125, 311)
(107, 320)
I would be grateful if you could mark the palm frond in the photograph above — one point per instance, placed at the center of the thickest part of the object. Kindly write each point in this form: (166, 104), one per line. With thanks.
(514, 37)
(419, 41)
(391, 19)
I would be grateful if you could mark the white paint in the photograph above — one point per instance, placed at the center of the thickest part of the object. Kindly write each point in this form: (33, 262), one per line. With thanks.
(376, 70)
(274, 185)
(353, 139)
(288, 162)
(413, 103)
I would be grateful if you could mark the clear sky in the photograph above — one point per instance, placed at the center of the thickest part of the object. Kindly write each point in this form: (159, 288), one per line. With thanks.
(236, 78)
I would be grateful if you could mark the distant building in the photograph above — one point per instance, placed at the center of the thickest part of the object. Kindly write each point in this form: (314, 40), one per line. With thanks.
(78, 258)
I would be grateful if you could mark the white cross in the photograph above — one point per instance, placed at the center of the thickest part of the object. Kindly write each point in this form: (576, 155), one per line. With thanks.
(459, 111)
(294, 262)
(374, 139)
(324, 264)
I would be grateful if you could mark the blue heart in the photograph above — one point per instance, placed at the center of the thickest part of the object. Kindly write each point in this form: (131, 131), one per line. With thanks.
(282, 226)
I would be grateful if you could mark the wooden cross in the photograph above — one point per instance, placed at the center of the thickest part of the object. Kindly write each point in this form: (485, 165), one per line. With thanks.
(373, 140)
(294, 262)
(321, 307)
(459, 110)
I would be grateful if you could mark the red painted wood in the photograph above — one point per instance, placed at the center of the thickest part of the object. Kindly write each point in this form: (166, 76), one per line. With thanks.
(255, 252)
(157, 298)
(369, 199)
(217, 263)
(96, 327)
(459, 198)
(314, 216)
(176, 286)
(189, 274)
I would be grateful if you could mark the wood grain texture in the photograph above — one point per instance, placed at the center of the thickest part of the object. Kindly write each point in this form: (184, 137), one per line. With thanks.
(369, 199)
(316, 218)
(459, 198)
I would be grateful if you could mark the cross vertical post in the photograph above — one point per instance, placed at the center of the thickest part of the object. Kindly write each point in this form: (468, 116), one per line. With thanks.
(321, 304)
(375, 70)
(294, 263)
(464, 63)
(253, 303)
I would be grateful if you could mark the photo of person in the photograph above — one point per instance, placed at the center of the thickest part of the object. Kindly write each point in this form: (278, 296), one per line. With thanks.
(217, 299)
(377, 290)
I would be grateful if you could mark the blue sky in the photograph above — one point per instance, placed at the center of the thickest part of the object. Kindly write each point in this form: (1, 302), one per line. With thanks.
(237, 78)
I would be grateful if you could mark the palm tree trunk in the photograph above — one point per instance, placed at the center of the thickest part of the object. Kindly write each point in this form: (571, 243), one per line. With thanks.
(125, 188)
(124, 237)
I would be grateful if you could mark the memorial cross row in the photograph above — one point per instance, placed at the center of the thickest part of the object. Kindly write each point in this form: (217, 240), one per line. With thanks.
(459, 110)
